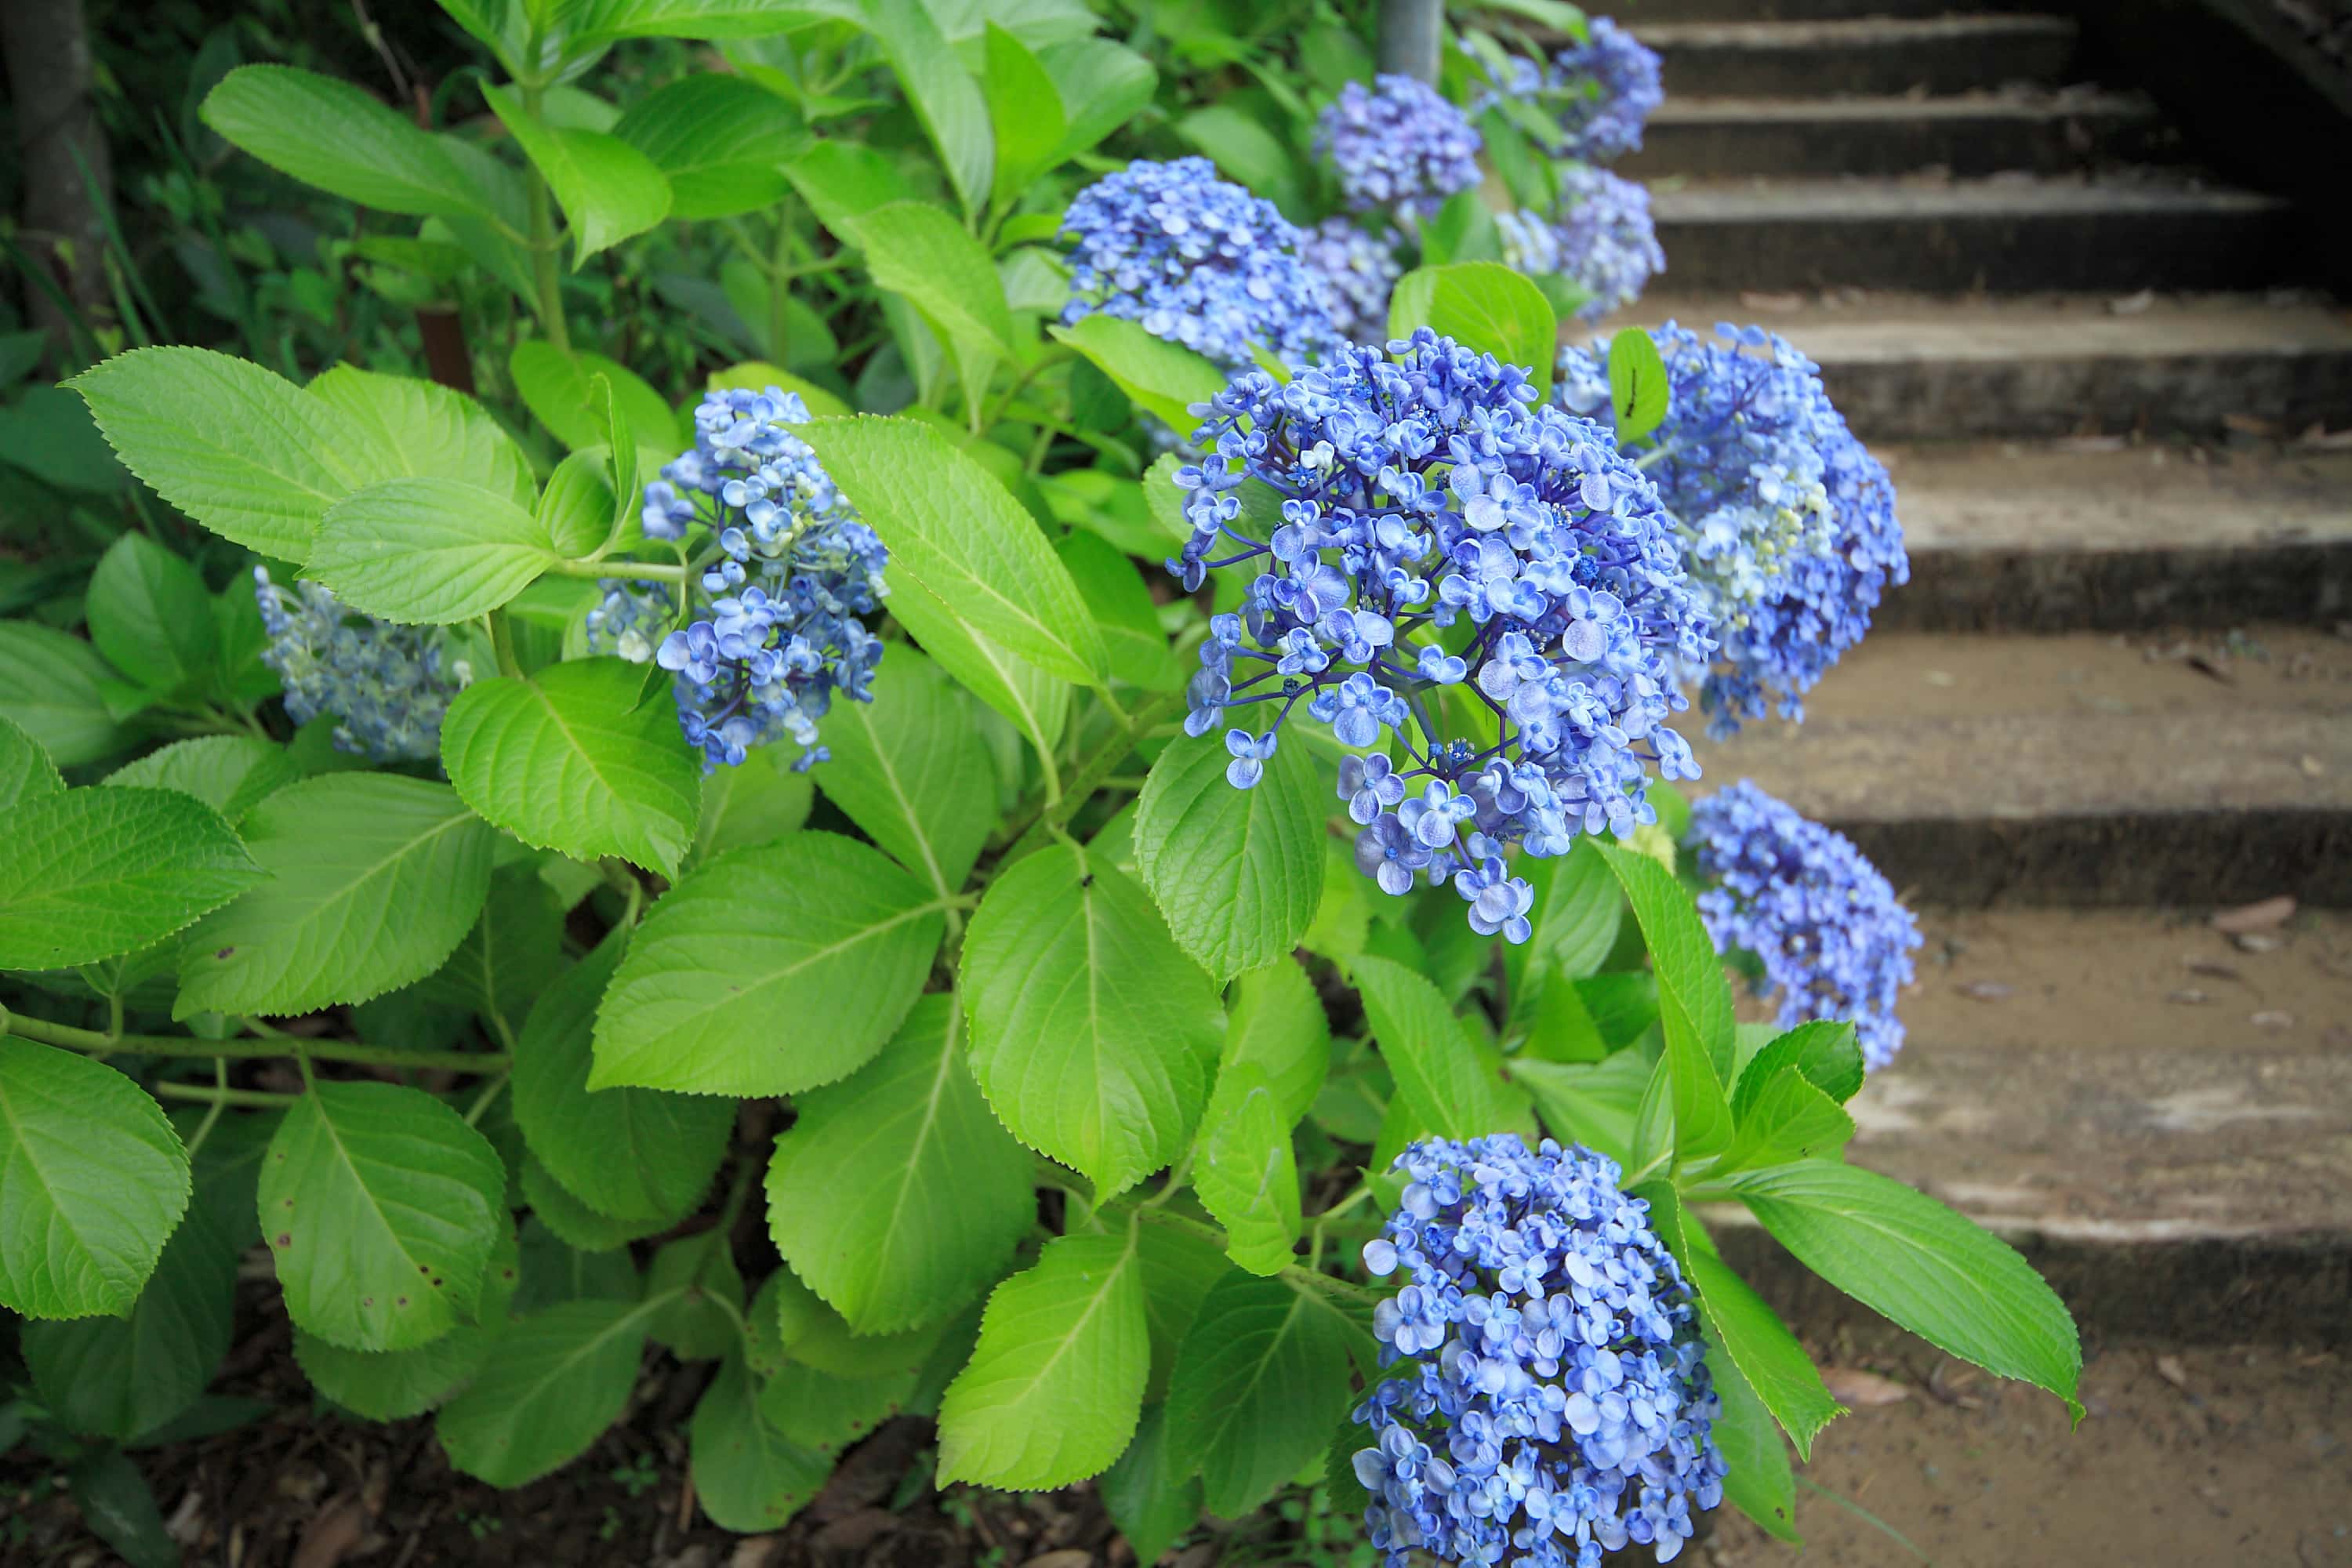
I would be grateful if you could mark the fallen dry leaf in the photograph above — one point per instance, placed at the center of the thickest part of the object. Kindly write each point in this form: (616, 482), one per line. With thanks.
(2188, 996)
(1862, 1390)
(2208, 967)
(2269, 914)
(1068, 1557)
(2169, 1368)
(2258, 942)
(1986, 990)
(757, 1552)
(2271, 1020)
(336, 1529)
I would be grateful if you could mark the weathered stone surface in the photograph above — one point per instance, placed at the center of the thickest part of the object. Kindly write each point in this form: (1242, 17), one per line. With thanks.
(2000, 235)
(1859, 55)
(1974, 134)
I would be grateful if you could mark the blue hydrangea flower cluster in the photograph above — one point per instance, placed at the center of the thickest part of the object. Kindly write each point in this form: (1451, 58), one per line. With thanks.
(1834, 940)
(1400, 146)
(1478, 594)
(1530, 243)
(777, 628)
(386, 685)
(1608, 243)
(1360, 271)
(1549, 1398)
(1788, 521)
(1197, 260)
(1611, 87)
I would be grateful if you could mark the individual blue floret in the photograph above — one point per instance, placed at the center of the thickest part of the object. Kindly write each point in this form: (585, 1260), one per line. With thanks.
(1547, 1397)
(1834, 940)
(1475, 591)
(1197, 260)
(777, 628)
(1360, 271)
(1788, 521)
(386, 685)
(1399, 147)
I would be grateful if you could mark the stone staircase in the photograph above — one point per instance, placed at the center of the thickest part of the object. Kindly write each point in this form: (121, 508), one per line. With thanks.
(2117, 692)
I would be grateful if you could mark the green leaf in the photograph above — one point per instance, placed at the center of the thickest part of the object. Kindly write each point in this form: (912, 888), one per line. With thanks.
(51, 687)
(330, 133)
(939, 88)
(1102, 85)
(1788, 1120)
(1181, 1266)
(555, 1270)
(428, 551)
(572, 1221)
(1693, 998)
(1767, 1354)
(392, 1385)
(150, 614)
(1093, 1034)
(421, 429)
(1165, 378)
(1239, 873)
(917, 250)
(26, 774)
(1038, 704)
(96, 1180)
(100, 872)
(1589, 1103)
(558, 388)
(814, 928)
(560, 1376)
(48, 433)
(757, 803)
(1902, 1254)
(1261, 1381)
(1448, 1089)
(1123, 611)
(1759, 1483)
(1484, 306)
(119, 1377)
(954, 530)
(1151, 1510)
(1694, 1099)
(1637, 385)
(1824, 1052)
(1025, 110)
(1244, 151)
(1054, 1389)
(911, 769)
(231, 773)
(570, 760)
(1277, 1024)
(748, 1476)
(1579, 908)
(374, 880)
(1246, 1172)
(633, 1153)
(380, 1207)
(721, 141)
(841, 180)
(514, 952)
(894, 1194)
(697, 1272)
(120, 1508)
(607, 189)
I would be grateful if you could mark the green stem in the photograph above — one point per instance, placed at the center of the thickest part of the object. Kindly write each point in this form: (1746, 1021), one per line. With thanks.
(546, 271)
(204, 1127)
(1329, 1284)
(1061, 804)
(502, 643)
(251, 1098)
(68, 1037)
(780, 291)
(643, 570)
(483, 1102)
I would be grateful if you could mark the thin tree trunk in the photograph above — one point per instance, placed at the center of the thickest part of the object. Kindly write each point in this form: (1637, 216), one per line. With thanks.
(1410, 31)
(69, 178)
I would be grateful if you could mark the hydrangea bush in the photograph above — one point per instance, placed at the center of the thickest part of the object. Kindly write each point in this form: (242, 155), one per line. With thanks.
(862, 788)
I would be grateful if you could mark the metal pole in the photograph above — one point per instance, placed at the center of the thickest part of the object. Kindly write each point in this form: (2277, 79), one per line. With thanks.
(1410, 30)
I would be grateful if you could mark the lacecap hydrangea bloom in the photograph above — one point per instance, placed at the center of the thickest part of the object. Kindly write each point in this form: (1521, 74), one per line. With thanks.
(386, 685)
(1196, 260)
(1547, 1397)
(1610, 87)
(1477, 593)
(1834, 940)
(1788, 521)
(777, 628)
(1399, 146)
(1360, 271)
(1608, 243)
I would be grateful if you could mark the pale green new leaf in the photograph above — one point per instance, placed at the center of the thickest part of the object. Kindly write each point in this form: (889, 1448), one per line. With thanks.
(1238, 872)
(96, 1180)
(1275, 1023)
(1123, 612)
(1823, 1052)
(241, 450)
(1638, 390)
(1788, 1120)
(910, 768)
(1056, 1386)
(954, 530)
(608, 189)
(374, 880)
(1768, 1355)
(421, 429)
(1165, 378)
(329, 133)
(560, 1377)
(381, 1208)
(94, 872)
(770, 971)
(231, 773)
(1693, 998)
(748, 1476)
(25, 772)
(1246, 1172)
(570, 760)
(1483, 306)
(1093, 1034)
(1025, 109)
(917, 250)
(721, 141)
(896, 1194)
(150, 614)
(1259, 1384)
(119, 1377)
(636, 1154)
(428, 551)
(1447, 1088)
(1037, 703)
(558, 388)
(52, 687)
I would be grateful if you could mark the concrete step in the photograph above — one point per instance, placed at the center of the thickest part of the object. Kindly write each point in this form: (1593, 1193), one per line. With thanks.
(2023, 235)
(1859, 55)
(1650, 11)
(2129, 1092)
(1907, 368)
(2094, 536)
(2077, 770)
(1972, 133)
